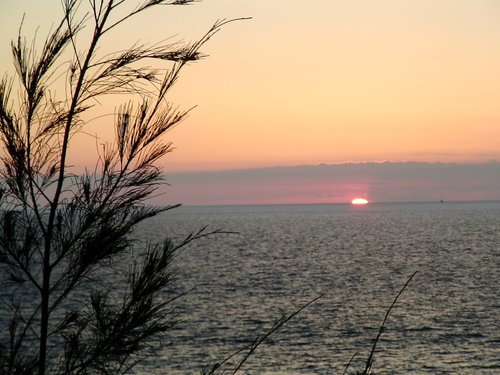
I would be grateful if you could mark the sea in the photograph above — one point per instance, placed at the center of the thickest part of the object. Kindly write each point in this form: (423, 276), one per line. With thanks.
(352, 261)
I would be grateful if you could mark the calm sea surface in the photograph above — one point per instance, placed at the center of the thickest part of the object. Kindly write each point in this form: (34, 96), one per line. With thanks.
(358, 258)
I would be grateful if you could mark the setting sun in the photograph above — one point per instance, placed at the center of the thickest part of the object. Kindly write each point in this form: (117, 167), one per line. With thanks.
(359, 201)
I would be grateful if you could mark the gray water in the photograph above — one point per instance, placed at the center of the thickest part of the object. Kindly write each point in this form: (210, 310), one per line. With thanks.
(357, 258)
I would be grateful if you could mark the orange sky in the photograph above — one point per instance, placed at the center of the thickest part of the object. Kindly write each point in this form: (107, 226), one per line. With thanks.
(309, 82)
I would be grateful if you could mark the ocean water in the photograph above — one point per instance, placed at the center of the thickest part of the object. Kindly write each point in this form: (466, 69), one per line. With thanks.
(357, 259)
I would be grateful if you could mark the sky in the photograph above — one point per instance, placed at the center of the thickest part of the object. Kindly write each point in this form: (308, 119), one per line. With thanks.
(318, 82)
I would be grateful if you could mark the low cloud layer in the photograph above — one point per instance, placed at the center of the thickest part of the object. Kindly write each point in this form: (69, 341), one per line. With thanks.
(378, 182)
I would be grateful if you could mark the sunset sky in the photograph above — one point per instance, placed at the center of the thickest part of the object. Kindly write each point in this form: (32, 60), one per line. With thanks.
(321, 81)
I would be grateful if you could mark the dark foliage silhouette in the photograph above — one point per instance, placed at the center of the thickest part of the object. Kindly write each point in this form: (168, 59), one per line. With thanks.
(62, 231)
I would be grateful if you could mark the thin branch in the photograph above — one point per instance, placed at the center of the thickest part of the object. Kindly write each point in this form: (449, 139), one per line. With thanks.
(140, 8)
(369, 361)
(259, 340)
(69, 7)
(349, 363)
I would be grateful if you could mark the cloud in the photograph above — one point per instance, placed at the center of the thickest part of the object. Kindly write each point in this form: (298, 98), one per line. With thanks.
(378, 182)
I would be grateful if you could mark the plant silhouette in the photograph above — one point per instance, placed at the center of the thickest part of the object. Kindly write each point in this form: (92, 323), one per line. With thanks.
(61, 231)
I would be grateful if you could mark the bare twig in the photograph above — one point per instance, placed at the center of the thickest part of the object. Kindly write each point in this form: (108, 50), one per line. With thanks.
(259, 340)
(369, 361)
(349, 363)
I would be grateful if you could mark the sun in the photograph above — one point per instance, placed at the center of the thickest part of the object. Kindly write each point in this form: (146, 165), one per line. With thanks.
(359, 201)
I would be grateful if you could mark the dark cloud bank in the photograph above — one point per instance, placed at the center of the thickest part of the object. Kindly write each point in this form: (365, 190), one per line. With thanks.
(379, 182)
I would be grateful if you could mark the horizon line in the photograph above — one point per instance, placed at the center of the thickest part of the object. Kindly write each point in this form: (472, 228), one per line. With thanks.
(334, 203)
